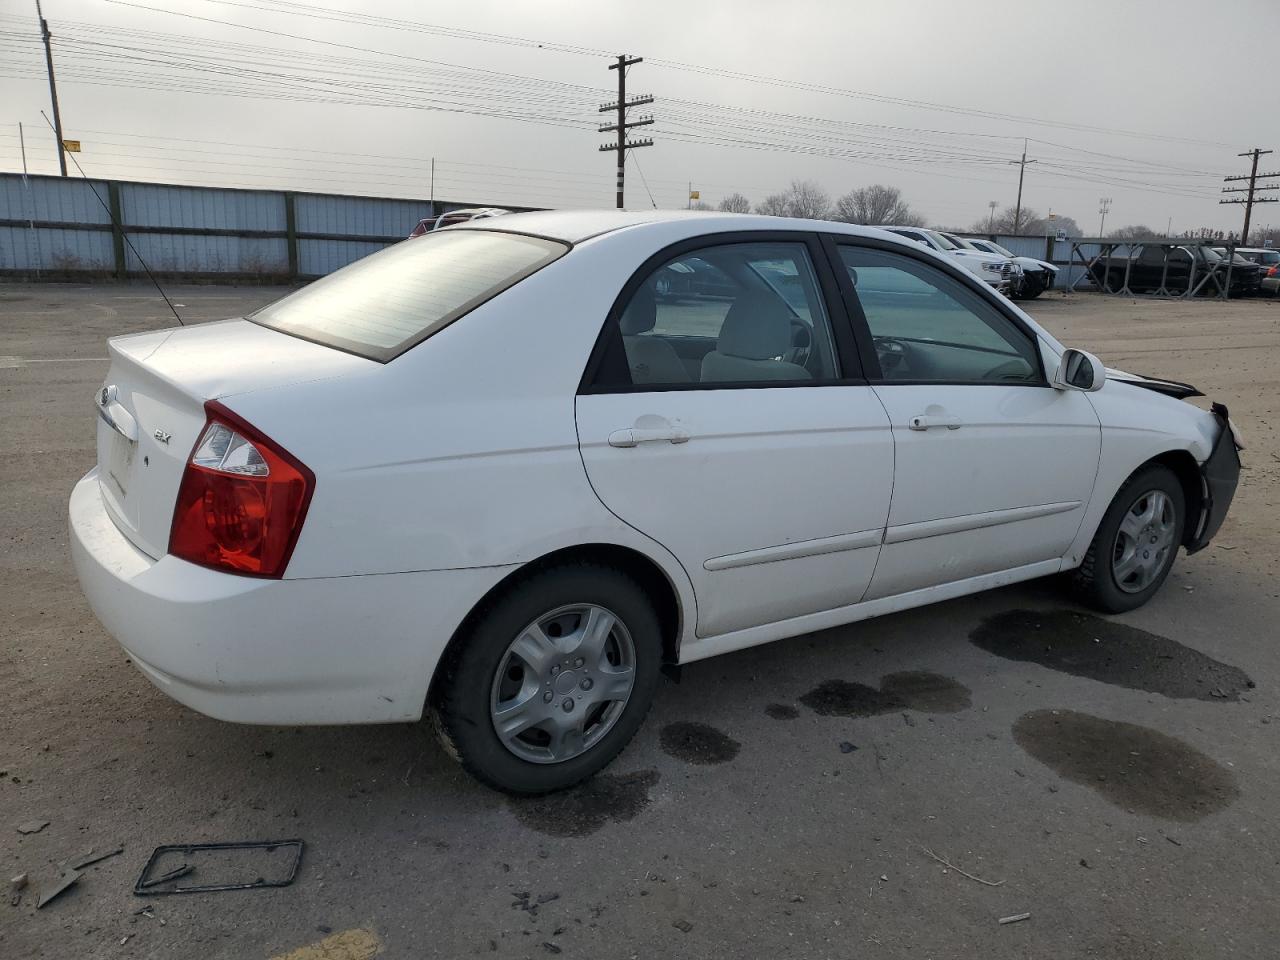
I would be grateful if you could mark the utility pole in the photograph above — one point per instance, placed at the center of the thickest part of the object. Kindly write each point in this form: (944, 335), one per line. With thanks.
(53, 88)
(22, 142)
(991, 217)
(621, 125)
(1253, 178)
(1104, 204)
(1022, 169)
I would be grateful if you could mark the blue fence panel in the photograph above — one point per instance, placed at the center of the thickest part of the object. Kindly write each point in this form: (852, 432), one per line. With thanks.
(360, 216)
(155, 205)
(187, 253)
(52, 248)
(318, 257)
(52, 199)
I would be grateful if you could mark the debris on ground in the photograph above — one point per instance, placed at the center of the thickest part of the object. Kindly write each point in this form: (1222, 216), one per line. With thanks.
(173, 874)
(90, 858)
(147, 886)
(32, 826)
(847, 747)
(64, 881)
(1016, 918)
(551, 947)
(684, 926)
(16, 886)
(947, 863)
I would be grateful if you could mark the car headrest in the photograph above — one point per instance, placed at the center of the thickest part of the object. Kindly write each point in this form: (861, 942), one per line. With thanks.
(755, 331)
(641, 313)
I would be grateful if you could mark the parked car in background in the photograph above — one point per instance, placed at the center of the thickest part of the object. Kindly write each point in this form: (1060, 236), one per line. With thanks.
(1175, 270)
(999, 271)
(1269, 285)
(451, 217)
(1037, 275)
(1249, 259)
(1265, 257)
(491, 477)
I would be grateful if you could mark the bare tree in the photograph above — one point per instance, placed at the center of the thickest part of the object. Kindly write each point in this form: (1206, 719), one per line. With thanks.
(700, 205)
(807, 200)
(1030, 224)
(1260, 235)
(1136, 231)
(877, 204)
(1068, 226)
(774, 205)
(735, 203)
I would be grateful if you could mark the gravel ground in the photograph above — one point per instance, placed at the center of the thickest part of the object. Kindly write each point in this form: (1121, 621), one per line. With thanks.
(1114, 778)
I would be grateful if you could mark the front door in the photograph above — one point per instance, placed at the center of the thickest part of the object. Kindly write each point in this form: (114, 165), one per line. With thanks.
(729, 422)
(994, 466)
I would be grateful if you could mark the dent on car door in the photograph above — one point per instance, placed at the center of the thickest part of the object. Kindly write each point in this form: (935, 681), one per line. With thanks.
(767, 472)
(994, 467)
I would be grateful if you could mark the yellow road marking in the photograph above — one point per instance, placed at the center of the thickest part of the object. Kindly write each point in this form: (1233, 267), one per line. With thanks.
(348, 945)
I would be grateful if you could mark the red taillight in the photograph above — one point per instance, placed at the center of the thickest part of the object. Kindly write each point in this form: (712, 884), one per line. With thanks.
(242, 499)
(1274, 271)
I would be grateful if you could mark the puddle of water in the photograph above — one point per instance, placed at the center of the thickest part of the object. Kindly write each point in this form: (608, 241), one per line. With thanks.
(586, 808)
(1135, 768)
(1087, 646)
(915, 690)
(781, 711)
(927, 692)
(697, 743)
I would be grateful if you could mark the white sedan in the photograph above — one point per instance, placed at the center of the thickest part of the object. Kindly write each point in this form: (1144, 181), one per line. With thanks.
(489, 474)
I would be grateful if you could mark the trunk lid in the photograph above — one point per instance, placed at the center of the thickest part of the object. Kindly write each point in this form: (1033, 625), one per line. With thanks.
(151, 408)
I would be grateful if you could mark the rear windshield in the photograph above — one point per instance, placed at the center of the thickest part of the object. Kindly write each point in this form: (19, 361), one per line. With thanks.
(382, 305)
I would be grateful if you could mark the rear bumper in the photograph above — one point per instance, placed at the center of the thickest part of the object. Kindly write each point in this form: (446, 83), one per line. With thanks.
(318, 651)
(1220, 474)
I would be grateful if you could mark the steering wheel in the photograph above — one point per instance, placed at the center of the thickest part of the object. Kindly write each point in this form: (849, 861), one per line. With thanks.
(1011, 370)
(801, 344)
(893, 356)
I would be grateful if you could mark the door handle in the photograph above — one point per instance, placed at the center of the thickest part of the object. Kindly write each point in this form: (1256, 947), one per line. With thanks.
(925, 421)
(633, 436)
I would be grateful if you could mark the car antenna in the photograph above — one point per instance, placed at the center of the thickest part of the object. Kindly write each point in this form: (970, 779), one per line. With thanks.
(118, 225)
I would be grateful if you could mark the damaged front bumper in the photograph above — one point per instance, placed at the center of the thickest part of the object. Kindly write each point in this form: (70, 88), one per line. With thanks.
(1219, 476)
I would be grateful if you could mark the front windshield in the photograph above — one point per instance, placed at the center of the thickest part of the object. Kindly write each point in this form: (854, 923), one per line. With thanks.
(943, 242)
(995, 247)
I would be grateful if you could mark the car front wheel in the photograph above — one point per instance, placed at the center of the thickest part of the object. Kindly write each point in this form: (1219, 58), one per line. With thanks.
(1136, 543)
(552, 681)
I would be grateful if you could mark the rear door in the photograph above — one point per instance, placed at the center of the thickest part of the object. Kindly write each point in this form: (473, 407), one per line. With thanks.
(768, 471)
(994, 466)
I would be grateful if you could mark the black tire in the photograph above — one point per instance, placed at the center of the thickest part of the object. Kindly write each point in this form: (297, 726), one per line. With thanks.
(1033, 290)
(461, 707)
(1094, 582)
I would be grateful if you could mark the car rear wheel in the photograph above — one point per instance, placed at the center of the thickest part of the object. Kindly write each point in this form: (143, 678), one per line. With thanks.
(552, 681)
(1136, 543)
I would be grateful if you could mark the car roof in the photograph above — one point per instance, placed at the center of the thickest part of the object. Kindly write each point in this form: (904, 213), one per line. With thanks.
(574, 226)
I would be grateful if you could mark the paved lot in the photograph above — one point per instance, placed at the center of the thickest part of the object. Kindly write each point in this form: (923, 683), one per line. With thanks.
(1140, 820)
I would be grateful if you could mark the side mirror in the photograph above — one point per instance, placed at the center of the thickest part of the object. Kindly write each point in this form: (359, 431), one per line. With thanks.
(1079, 371)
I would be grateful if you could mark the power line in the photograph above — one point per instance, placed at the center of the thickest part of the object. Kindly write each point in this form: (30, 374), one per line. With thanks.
(621, 125)
(316, 12)
(1253, 178)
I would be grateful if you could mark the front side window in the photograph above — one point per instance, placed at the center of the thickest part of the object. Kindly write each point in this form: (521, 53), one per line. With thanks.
(382, 305)
(929, 327)
(740, 313)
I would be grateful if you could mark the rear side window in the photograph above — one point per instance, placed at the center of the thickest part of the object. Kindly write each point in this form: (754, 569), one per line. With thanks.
(386, 303)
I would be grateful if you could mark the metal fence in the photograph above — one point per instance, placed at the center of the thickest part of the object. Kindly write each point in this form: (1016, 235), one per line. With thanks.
(60, 228)
(68, 228)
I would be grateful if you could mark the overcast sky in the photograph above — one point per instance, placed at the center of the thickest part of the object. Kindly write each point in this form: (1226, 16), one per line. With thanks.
(1120, 100)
